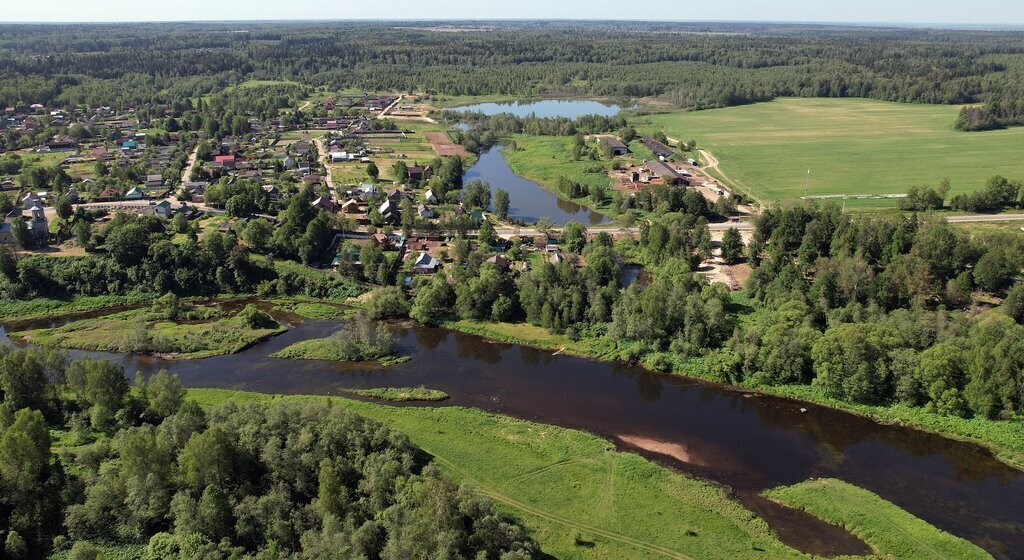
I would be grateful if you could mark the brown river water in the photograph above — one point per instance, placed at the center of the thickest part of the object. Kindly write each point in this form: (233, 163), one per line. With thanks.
(745, 441)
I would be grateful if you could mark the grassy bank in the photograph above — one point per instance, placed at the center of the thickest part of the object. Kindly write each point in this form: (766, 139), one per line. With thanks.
(402, 394)
(570, 488)
(544, 159)
(890, 531)
(851, 146)
(40, 308)
(138, 331)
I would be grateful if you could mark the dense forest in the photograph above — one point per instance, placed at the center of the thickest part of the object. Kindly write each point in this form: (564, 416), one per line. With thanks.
(686, 65)
(87, 459)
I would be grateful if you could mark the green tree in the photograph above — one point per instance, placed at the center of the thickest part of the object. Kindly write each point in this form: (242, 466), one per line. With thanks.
(372, 171)
(20, 233)
(209, 458)
(400, 171)
(166, 393)
(732, 246)
(574, 236)
(433, 302)
(485, 234)
(501, 203)
(102, 385)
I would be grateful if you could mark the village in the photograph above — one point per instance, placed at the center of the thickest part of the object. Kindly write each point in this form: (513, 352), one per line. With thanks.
(383, 170)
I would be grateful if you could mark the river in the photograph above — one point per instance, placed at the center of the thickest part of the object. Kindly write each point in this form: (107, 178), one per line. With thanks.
(746, 441)
(528, 200)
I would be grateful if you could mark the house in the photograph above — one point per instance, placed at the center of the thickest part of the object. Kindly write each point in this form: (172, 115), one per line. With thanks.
(425, 213)
(388, 211)
(195, 190)
(425, 264)
(228, 162)
(288, 162)
(154, 180)
(272, 191)
(32, 199)
(163, 209)
(666, 173)
(73, 195)
(136, 193)
(109, 193)
(396, 196)
(429, 197)
(501, 261)
(418, 173)
(62, 144)
(129, 145)
(312, 179)
(350, 206)
(99, 152)
(615, 145)
(660, 150)
(326, 203)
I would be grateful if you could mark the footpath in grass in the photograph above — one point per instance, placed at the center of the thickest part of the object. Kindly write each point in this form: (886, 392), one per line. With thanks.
(579, 496)
(851, 146)
(890, 531)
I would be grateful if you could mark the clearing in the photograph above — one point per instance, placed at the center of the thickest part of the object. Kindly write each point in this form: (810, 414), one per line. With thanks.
(851, 146)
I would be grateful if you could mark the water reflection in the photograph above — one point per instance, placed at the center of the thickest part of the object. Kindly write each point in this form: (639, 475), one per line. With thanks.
(528, 200)
(547, 108)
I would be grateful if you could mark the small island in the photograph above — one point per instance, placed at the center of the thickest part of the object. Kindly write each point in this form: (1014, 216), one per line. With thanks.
(360, 340)
(169, 327)
(401, 394)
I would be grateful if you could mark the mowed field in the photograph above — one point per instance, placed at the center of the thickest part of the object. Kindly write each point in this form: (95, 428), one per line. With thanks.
(851, 146)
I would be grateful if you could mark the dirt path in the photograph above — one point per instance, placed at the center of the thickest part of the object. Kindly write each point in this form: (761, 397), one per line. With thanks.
(187, 172)
(325, 158)
(712, 165)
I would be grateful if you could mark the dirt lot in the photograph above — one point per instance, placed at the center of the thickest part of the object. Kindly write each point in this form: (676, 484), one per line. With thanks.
(444, 146)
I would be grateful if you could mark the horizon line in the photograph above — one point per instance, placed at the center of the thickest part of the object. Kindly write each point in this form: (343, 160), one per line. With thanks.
(892, 24)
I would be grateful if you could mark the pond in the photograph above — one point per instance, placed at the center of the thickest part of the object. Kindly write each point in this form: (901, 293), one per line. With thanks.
(546, 108)
(528, 200)
(746, 441)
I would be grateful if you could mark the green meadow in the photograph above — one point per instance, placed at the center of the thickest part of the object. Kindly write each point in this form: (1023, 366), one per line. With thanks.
(851, 146)
(887, 529)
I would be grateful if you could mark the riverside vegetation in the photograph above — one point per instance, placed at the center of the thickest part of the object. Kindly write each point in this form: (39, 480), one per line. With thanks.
(90, 463)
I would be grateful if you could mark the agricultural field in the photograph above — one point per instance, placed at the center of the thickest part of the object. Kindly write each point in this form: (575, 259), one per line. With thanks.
(851, 146)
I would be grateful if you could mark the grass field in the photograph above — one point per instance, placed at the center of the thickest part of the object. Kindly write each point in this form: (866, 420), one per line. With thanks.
(890, 531)
(544, 159)
(851, 146)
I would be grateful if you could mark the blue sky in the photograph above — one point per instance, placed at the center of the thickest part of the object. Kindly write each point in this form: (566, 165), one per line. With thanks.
(946, 12)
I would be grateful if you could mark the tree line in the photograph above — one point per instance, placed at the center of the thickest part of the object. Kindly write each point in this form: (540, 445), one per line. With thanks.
(88, 459)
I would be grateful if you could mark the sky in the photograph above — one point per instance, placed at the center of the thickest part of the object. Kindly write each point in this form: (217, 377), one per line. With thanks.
(943, 12)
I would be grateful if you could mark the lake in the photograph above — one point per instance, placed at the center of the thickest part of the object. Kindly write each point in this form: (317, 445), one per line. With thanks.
(528, 200)
(549, 108)
(747, 441)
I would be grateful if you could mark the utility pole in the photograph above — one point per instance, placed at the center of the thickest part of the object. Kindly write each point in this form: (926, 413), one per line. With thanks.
(807, 182)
